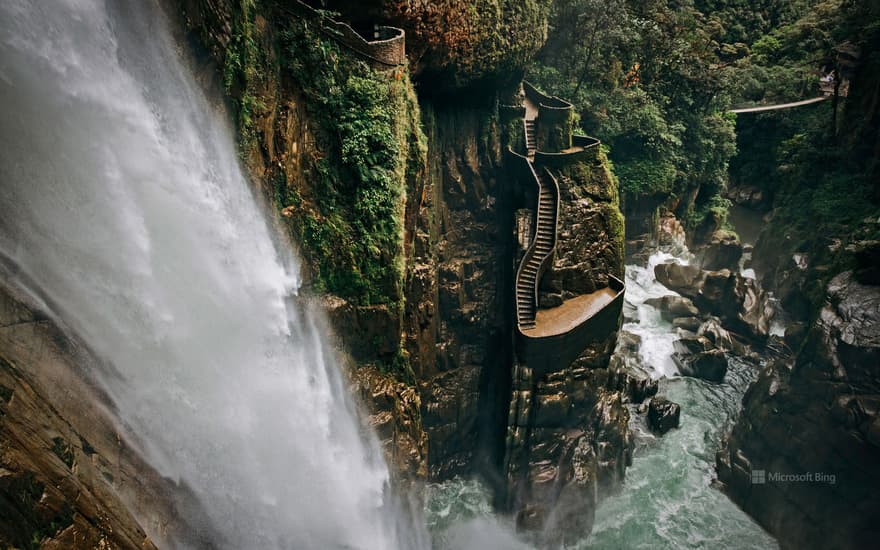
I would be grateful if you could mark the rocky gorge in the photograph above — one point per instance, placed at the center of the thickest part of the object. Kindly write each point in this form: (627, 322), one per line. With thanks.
(483, 316)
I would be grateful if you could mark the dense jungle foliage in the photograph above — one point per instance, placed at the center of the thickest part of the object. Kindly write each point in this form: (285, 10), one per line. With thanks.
(654, 80)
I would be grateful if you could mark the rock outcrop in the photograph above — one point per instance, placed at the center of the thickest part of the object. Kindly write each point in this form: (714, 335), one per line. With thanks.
(457, 43)
(697, 357)
(444, 335)
(722, 251)
(663, 414)
(802, 459)
(568, 442)
(68, 477)
(740, 302)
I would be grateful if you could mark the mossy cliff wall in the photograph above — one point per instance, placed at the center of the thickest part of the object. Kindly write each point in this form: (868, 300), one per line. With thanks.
(404, 212)
(335, 145)
(454, 44)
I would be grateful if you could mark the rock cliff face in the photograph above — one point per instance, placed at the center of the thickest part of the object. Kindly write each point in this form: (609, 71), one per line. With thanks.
(812, 426)
(68, 477)
(436, 365)
(568, 442)
(404, 210)
(455, 44)
(462, 355)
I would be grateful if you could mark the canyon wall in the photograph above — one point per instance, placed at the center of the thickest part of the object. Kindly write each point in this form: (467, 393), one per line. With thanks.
(69, 477)
(802, 458)
(444, 344)
(392, 181)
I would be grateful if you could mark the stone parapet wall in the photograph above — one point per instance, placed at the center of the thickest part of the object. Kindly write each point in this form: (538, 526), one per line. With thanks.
(385, 51)
(547, 354)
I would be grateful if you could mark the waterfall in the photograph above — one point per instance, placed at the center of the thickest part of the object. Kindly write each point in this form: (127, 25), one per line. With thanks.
(123, 205)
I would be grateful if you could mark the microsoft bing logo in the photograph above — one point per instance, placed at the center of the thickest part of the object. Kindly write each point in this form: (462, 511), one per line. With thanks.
(759, 477)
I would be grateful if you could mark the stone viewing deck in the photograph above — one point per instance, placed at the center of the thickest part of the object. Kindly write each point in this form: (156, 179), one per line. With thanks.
(572, 313)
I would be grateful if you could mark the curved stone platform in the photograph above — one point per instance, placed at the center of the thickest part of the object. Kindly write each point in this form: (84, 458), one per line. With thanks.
(561, 333)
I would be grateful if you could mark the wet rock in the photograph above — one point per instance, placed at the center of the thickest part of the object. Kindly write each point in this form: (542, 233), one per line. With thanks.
(691, 324)
(396, 419)
(721, 338)
(368, 332)
(723, 251)
(663, 415)
(628, 341)
(692, 345)
(709, 365)
(818, 414)
(687, 280)
(673, 306)
(740, 303)
(552, 410)
(65, 465)
(671, 236)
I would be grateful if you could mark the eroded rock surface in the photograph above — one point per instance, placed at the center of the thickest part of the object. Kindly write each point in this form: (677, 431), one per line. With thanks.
(816, 418)
(663, 414)
(738, 301)
(68, 478)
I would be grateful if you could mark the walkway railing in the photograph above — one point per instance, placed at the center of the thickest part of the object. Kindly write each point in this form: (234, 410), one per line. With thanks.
(540, 252)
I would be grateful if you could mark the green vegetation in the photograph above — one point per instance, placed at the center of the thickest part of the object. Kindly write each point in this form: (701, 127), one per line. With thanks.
(654, 81)
(246, 70)
(371, 141)
(349, 215)
(648, 79)
(818, 164)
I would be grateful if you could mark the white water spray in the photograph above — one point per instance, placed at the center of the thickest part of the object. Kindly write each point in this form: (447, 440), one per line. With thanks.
(657, 335)
(123, 203)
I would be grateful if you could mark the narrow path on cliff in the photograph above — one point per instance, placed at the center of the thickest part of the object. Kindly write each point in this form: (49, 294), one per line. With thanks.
(779, 106)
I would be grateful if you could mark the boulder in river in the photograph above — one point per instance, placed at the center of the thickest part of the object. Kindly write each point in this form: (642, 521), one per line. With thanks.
(738, 301)
(691, 324)
(687, 280)
(663, 415)
(672, 306)
(699, 358)
(720, 337)
(723, 251)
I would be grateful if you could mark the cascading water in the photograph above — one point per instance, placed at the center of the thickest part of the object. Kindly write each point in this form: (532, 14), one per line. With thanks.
(123, 206)
(668, 500)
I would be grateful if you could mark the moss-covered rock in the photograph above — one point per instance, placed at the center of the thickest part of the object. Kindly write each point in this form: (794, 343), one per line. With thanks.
(456, 43)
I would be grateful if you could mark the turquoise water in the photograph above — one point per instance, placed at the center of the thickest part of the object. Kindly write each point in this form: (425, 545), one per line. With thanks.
(668, 500)
(460, 517)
